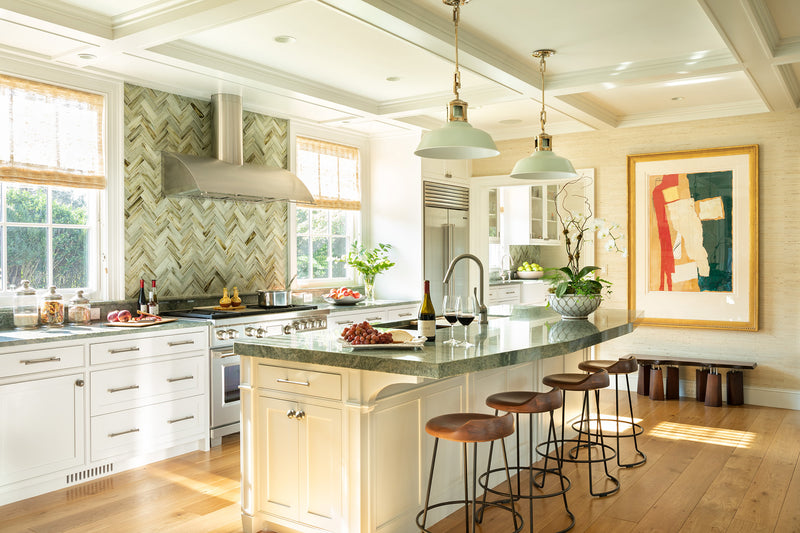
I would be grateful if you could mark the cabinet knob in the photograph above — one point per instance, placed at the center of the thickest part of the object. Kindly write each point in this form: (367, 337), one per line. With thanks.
(299, 415)
(291, 413)
(79, 383)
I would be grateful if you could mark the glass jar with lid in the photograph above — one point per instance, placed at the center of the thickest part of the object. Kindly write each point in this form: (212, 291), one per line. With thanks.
(26, 307)
(80, 310)
(51, 310)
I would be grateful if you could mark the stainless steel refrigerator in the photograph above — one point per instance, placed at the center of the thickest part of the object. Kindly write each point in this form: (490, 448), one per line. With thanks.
(446, 219)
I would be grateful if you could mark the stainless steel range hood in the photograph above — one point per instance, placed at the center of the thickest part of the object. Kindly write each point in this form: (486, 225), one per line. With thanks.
(226, 177)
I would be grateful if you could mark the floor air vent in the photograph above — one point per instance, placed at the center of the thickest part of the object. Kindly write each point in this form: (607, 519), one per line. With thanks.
(89, 473)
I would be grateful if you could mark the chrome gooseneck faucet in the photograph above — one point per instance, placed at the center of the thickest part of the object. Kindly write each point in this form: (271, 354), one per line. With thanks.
(483, 311)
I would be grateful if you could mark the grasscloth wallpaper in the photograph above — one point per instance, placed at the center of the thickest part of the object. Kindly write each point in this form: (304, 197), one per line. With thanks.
(191, 246)
(776, 346)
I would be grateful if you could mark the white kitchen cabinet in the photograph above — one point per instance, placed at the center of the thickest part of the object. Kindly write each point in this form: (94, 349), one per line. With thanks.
(529, 214)
(533, 292)
(446, 169)
(41, 427)
(508, 294)
(299, 446)
(494, 216)
(543, 218)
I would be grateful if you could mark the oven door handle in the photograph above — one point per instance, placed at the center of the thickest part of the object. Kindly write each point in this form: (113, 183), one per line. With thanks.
(226, 355)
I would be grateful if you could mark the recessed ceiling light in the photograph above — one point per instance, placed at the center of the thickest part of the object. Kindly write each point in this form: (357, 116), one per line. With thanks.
(285, 39)
(677, 98)
(87, 57)
(509, 121)
(393, 78)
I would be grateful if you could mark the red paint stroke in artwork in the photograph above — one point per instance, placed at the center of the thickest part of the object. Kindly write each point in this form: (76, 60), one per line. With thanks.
(665, 242)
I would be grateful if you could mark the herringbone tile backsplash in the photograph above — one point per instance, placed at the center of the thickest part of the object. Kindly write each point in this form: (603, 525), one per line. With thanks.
(192, 246)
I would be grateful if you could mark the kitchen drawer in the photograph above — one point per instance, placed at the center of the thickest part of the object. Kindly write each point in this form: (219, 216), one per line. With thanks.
(396, 314)
(128, 348)
(305, 382)
(338, 321)
(508, 294)
(31, 361)
(148, 428)
(134, 386)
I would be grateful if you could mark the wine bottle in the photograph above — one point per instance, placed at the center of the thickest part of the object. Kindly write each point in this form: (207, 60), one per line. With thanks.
(152, 301)
(143, 307)
(426, 319)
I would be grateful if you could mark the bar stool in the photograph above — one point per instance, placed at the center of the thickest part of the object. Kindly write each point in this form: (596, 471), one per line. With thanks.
(469, 428)
(585, 383)
(522, 402)
(625, 365)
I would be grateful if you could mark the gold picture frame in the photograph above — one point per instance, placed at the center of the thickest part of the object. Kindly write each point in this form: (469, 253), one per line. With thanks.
(693, 238)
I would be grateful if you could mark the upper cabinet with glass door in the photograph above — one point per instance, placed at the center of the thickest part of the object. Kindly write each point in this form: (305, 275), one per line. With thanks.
(543, 218)
(494, 216)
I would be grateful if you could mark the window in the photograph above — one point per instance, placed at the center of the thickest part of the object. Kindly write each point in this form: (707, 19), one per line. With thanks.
(51, 172)
(325, 231)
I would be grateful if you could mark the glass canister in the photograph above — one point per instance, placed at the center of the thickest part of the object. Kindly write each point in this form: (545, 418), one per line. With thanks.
(51, 311)
(80, 310)
(26, 307)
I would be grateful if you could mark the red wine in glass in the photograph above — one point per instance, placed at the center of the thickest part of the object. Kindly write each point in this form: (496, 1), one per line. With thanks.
(465, 320)
(451, 318)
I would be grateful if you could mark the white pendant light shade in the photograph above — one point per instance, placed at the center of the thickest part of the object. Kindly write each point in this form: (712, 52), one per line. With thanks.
(543, 165)
(456, 140)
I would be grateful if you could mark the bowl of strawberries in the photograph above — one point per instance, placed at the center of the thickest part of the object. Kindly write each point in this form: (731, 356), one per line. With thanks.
(343, 296)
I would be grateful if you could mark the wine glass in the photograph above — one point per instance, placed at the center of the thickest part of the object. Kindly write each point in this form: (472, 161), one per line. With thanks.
(450, 312)
(467, 310)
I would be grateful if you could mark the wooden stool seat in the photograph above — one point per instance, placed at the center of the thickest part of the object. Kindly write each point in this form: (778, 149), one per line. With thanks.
(580, 382)
(470, 427)
(525, 401)
(625, 365)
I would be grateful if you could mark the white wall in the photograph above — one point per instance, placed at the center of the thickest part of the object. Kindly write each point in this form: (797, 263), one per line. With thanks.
(396, 214)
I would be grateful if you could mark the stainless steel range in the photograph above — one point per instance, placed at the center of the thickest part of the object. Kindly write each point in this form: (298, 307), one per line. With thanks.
(227, 326)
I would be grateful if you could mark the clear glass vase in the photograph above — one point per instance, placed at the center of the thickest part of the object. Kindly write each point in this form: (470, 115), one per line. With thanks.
(369, 287)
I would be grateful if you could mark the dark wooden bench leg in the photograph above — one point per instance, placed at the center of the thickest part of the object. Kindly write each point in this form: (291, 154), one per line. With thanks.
(643, 388)
(714, 390)
(700, 377)
(735, 384)
(673, 383)
(656, 384)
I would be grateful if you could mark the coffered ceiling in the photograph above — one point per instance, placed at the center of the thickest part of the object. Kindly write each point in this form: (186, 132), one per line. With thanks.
(386, 66)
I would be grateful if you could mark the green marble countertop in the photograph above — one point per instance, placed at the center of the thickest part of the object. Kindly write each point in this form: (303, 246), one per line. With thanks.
(21, 337)
(514, 335)
(363, 305)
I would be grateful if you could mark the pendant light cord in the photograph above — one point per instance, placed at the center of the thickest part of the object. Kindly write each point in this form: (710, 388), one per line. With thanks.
(543, 113)
(457, 75)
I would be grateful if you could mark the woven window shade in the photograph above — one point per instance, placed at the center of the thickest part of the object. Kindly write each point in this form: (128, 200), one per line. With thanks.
(50, 135)
(330, 171)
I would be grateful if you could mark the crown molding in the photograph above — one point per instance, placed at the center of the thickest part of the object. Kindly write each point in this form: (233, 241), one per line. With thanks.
(58, 17)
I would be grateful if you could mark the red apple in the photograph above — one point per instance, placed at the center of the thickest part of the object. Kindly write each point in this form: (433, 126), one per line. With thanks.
(112, 316)
(124, 315)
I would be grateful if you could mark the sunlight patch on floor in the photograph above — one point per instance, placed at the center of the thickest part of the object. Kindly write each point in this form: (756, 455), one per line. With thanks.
(705, 434)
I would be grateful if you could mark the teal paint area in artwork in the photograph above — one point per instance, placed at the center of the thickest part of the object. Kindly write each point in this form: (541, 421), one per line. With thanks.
(717, 231)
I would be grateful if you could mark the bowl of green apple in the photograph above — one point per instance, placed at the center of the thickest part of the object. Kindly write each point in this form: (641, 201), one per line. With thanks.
(530, 271)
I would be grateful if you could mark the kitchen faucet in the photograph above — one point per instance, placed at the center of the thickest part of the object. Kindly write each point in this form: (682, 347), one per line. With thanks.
(484, 312)
(505, 273)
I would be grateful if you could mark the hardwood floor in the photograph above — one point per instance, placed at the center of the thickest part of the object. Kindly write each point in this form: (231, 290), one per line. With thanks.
(728, 469)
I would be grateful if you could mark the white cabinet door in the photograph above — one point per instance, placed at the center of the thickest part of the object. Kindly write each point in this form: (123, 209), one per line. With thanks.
(42, 425)
(533, 292)
(300, 462)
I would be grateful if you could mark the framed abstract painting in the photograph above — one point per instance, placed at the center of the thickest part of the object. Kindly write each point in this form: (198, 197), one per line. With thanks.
(693, 238)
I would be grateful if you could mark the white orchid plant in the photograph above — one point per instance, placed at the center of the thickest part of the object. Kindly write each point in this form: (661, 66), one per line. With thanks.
(572, 279)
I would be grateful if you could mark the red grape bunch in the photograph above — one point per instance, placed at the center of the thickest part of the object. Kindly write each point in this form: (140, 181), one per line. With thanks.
(363, 333)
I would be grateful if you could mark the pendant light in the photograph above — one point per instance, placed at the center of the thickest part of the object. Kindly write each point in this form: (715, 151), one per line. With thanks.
(543, 164)
(457, 139)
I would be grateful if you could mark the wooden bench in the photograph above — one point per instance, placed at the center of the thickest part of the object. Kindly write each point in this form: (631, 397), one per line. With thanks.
(708, 379)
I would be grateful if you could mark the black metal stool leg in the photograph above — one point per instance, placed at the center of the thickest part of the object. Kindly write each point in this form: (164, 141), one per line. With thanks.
(635, 428)
(430, 482)
(511, 489)
(603, 448)
(466, 492)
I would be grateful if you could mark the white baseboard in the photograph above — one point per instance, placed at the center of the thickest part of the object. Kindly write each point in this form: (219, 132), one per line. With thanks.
(780, 398)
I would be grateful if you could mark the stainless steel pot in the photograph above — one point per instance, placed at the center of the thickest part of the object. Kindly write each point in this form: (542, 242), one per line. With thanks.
(274, 298)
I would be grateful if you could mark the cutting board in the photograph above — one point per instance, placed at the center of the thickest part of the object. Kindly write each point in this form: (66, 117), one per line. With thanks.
(140, 323)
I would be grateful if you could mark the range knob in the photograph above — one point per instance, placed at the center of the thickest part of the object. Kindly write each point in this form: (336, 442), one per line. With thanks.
(260, 332)
(233, 334)
(220, 334)
(288, 329)
(250, 331)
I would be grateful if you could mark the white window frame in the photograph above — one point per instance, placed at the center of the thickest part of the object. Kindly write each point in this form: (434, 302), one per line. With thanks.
(110, 224)
(303, 129)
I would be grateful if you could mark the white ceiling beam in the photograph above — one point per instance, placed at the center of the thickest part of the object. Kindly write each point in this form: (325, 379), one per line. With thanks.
(750, 33)
(57, 17)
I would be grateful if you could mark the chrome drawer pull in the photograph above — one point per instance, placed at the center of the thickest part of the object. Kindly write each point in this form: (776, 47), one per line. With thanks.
(406, 314)
(303, 383)
(120, 389)
(184, 378)
(122, 350)
(232, 354)
(42, 360)
(180, 419)
(374, 318)
(179, 343)
(340, 322)
(112, 435)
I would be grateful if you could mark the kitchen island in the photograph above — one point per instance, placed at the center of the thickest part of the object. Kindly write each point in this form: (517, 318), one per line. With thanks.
(333, 437)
